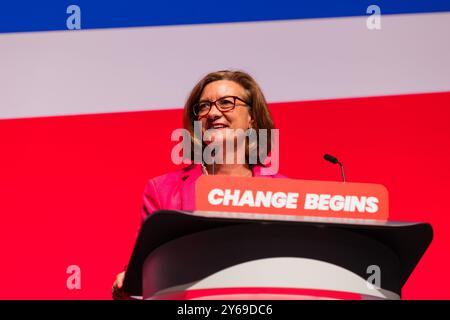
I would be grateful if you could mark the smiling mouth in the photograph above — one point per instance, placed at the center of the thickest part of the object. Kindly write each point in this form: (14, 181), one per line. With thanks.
(218, 126)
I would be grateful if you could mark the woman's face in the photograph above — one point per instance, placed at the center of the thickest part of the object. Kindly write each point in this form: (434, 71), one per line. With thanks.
(217, 121)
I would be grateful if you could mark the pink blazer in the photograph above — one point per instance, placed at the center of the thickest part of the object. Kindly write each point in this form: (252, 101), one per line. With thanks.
(175, 190)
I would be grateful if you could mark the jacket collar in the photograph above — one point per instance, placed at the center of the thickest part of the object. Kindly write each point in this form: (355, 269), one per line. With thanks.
(195, 170)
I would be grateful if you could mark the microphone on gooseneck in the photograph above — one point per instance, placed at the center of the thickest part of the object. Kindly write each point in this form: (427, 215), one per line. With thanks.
(334, 160)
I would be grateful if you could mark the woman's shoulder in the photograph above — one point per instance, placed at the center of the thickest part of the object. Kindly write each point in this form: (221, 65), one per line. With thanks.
(165, 191)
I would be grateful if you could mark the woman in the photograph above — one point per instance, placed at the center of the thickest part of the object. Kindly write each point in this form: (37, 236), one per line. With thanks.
(221, 101)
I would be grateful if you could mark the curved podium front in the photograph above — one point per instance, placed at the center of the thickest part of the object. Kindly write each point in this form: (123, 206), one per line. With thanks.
(180, 255)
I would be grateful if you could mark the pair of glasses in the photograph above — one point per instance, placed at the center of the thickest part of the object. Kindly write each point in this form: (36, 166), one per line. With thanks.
(224, 104)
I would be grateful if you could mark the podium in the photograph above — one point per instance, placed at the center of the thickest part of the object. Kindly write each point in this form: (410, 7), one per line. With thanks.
(192, 255)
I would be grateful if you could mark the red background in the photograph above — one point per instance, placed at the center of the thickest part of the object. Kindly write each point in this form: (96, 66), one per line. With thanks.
(71, 187)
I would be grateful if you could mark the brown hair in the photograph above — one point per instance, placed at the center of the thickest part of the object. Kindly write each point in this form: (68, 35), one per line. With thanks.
(259, 112)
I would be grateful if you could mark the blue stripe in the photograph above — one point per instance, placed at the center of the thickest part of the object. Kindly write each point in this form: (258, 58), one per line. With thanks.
(20, 16)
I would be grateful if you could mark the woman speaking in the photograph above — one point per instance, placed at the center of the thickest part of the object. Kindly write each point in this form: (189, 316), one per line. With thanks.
(221, 101)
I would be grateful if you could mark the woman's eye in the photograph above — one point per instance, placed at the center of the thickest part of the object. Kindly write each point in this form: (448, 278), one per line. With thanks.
(226, 102)
(203, 105)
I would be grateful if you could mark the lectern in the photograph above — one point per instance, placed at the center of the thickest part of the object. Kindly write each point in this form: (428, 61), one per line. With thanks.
(196, 255)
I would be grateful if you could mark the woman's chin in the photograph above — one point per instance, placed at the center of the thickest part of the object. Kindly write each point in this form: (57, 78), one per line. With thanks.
(216, 135)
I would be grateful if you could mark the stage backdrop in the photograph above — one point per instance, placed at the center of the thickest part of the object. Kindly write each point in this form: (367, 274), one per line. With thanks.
(86, 117)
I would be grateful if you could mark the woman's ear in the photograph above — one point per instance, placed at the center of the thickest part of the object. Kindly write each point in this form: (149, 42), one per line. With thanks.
(251, 123)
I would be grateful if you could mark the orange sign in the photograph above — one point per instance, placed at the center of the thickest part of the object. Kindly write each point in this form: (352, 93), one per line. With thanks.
(291, 197)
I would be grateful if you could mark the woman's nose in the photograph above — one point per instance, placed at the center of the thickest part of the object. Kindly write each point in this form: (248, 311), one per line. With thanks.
(214, 112)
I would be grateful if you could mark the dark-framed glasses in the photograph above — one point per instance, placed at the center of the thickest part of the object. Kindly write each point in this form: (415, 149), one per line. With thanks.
(224, 104)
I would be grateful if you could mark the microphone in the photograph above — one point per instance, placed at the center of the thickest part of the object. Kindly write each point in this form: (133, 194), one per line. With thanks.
(334, 160)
